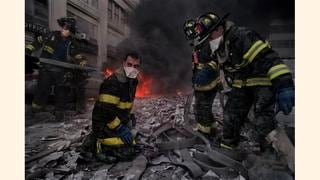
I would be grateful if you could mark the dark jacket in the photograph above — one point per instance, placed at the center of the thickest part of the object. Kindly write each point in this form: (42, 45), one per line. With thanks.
(50, 45)
(115, 101)
(250, 60)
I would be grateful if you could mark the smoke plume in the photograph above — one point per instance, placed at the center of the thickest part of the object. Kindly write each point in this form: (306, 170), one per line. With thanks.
(157, 33)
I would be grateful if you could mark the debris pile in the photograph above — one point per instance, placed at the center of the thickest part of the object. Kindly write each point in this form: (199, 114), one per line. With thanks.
(52, 149)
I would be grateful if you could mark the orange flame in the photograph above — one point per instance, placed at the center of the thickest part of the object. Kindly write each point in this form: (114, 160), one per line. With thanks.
(107, 72)
(144, 86)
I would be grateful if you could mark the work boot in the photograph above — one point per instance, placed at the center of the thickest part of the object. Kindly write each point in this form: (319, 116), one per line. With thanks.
(106, 158)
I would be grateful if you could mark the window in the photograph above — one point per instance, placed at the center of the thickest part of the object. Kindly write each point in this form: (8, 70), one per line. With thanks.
(94, 3)
(123, 18)
(85, 1)
(110, 3)
(116, 14)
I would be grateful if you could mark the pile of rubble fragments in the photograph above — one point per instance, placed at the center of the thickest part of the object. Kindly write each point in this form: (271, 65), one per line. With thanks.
(170, 148)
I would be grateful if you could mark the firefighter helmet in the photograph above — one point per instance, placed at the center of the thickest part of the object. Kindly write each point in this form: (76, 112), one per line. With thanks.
(70, 22)
(189, 29)
(208, 22)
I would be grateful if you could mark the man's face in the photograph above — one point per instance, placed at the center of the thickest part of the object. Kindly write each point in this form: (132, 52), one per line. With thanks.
(65, 31)
(132, 62)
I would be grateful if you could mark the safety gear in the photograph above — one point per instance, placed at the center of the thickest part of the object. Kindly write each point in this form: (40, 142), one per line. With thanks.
(124, 133)
(69, 22)
(131, 72)
(203, 77)
(189, 29)
(214, 44)
(206, 23)
(65, 32)
(285, 99)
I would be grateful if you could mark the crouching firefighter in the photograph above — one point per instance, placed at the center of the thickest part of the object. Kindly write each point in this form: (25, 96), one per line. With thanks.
(60, 46)
(259, 78)
(111, 118)
(206, 81)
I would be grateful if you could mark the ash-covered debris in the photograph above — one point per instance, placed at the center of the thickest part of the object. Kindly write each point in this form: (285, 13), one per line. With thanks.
(53, 148)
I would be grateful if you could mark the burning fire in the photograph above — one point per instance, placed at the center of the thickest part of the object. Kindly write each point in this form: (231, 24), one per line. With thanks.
(108, 72)
(144, 86)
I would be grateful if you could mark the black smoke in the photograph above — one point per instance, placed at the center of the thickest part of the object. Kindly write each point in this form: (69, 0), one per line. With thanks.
(156, 32)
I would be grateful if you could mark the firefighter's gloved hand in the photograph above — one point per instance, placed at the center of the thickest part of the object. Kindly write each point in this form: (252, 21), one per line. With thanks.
(285, 99)
(203, 77)
(124, 133)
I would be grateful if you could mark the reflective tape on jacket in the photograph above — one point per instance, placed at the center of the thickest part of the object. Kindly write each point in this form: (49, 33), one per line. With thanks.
(209, 86)
(252, 82)
(30, 47)
(211, 64)
(48, 49)
(125, 105)
(114, 123)
(107, 98)
(254, 50)
(39, 38)
(278, 70)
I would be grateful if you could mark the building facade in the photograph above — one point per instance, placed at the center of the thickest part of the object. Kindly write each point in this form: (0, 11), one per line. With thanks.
(102, 24)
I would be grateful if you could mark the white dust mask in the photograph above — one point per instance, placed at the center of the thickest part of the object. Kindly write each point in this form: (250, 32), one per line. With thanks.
(214, 44)
(131, 72)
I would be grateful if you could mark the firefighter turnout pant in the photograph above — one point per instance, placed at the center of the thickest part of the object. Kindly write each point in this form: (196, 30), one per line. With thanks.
(203, 109)
(260, 101)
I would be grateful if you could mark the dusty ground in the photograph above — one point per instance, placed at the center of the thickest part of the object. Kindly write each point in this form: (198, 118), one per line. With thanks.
(61, 141)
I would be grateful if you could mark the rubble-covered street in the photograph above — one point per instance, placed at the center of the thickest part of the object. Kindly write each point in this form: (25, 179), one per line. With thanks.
(52, 149)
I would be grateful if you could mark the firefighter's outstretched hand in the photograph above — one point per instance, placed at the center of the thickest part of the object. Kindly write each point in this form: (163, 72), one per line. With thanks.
(285, 99)
(125, 134)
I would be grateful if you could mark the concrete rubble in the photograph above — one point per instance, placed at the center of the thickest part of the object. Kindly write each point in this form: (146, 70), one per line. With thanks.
(52, 148)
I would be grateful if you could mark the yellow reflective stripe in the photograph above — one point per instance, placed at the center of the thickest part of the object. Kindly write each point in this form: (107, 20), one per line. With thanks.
(125, 105)
(278, 70)
(252, 82)
(213, 65)
(98, 145)
(279, 73)
(225, 146)
(111, 142)
(78, 56)
(48, 49)
(254, 50)
(39, 38)
(208, 87)
(30, 47)
(107, 98)
(204, 129)
(114, 123)
(258, 81)
(237, 83)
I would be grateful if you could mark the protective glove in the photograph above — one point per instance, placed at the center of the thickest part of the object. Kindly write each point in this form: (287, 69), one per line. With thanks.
(125, 134)
(203, 77)
(285, 99)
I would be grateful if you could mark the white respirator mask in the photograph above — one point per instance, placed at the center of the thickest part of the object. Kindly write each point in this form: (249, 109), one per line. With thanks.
(131, 72)
(214, 44)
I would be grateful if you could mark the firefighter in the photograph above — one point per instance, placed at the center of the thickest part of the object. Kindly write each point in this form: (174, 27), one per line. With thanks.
(111, 118)
(205, 81)
(61, 46)
(260, 80)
